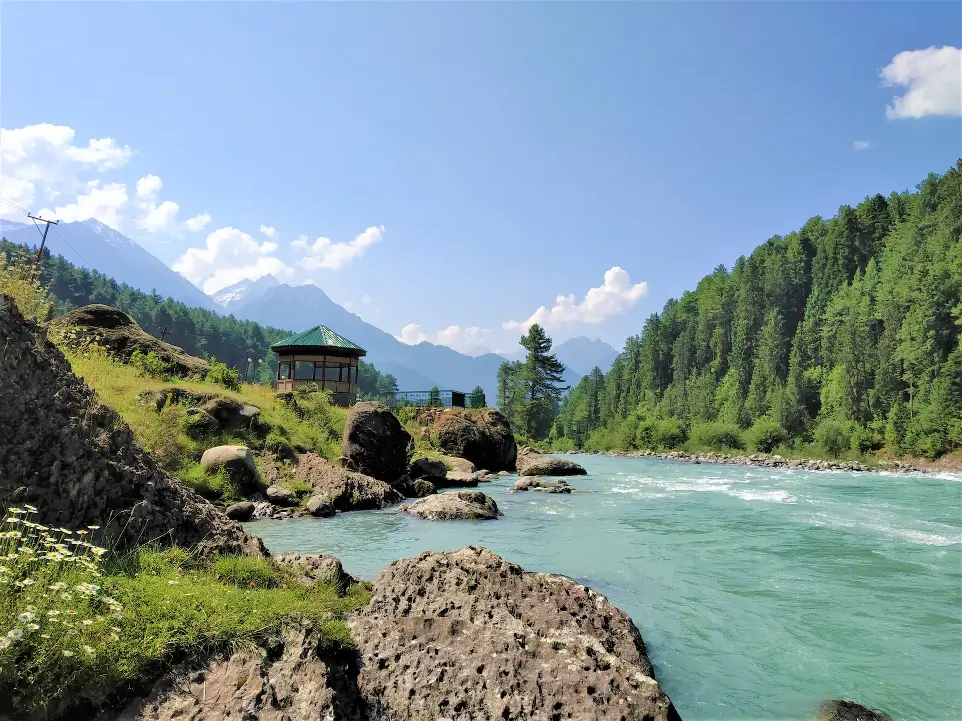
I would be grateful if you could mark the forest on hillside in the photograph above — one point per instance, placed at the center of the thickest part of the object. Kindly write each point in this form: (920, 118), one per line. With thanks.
(242, 345)
(846, 334)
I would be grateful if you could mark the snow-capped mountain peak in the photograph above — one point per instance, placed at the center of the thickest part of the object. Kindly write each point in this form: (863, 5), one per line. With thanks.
(244, 291)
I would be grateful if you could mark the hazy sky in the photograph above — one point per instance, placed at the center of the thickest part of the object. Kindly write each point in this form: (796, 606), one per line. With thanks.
(460, 165)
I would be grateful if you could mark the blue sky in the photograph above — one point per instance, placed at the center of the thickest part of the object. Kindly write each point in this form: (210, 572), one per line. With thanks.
(510, 152)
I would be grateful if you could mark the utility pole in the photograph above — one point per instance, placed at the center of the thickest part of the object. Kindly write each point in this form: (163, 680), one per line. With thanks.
(43, 242)
(163, 332)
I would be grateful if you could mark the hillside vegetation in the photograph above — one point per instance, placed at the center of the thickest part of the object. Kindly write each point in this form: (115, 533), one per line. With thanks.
(845, 336)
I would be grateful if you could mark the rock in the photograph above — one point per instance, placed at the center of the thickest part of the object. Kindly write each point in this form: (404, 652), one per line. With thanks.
(457, 479)
(535, 463)
(849, 711)
(233, 415)
(297, 677)
(376, 442)
(529, 483)
(454, 506)
(121, 336)
(427, 468)
(78, 462)
(263, 509)
(199, 423)
(504, 473)
(237, 462)
(405, 486)
(467, 635)
(423, 488)
(317, 568)
(280, 496)
(320, 507)
(242, 511)
(481, 436)
(461, 465)
(347, 490)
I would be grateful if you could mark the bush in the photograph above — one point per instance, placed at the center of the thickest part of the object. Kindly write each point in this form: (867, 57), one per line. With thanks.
(247, 572)
(833, 437)
(20, 282)
(765, 435)
(278, 444)
(669, 434)
(645, 435)
(716, 436)
(863, 440)
(150, 365)
(220, 374)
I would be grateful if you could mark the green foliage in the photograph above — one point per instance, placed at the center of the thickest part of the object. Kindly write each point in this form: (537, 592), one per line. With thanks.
(212, 485)
(220, 374)
(855, 320)
(716, 436)
(19, 280)
(765, 435)
(434, 397)
(529, 392)
(476, 398)
(248, 572)
(150, 364)
(670, 434)
(833, 437)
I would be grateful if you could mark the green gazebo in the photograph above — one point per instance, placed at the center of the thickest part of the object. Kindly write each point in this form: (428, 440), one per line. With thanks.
(320, 356)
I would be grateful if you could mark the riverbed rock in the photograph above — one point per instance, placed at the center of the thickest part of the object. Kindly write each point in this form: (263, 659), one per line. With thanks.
(122, 337)
(347, 490)
(482, 436)
(280, 496)
(454, 506)
(532, 462)
(314, 568)
(376, 442)
(849, 711)
(466, 635)
(242, 511)
(533, 483)
(427, 468)
(320, 507)
(237, 462)
(462, 465)
(299, 676)
(423, 488)
(78, 463)
(457, 479)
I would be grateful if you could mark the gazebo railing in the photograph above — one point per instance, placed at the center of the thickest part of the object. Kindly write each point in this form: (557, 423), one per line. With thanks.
(436, 399)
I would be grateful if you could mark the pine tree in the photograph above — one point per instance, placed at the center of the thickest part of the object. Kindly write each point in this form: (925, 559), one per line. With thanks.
(540, 379)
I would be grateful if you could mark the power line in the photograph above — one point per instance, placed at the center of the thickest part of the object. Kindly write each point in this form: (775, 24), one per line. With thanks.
(43, 242)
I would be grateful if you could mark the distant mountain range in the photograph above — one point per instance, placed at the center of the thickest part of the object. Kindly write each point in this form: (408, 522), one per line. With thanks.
(93, 245)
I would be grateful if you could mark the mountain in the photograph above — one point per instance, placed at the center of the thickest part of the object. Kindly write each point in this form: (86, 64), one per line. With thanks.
(93, 245)
(234, 297)
(581, 354)
(416, 367)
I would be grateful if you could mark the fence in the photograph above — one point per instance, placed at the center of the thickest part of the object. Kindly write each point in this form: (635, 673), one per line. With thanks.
(437, 399)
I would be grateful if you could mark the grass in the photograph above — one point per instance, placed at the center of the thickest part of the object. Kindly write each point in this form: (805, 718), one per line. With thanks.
(77, 628)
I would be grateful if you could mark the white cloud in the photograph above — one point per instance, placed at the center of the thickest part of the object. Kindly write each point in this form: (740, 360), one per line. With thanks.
(270, 231)
(614, 297)
(412, 334)
(933, 78)
(103, 203)
(462, 339)
(863, 144)
(149, 187)
(41, 162)
(159, 218)
(197, 223)
(324, 253)
(230, 255)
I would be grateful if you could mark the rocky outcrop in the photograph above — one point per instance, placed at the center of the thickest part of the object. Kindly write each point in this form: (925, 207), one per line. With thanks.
(427, 468)
(467, 635)
(482, 436)
(320, 507)
(457, 479)
(233, 415)
(314, 568)
(237, 462)
(375, 442)
(530, 483)
(199, 423)
(78, 462)
(849, 711)
(462, 465)
(296, 677)
(454, 506)
(417, 488)
(532, 462)
(121, 336)
(347, 490)
(242, 511)
(280, 496)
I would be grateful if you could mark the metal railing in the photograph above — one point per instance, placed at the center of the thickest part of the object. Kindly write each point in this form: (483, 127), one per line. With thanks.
(437, 399)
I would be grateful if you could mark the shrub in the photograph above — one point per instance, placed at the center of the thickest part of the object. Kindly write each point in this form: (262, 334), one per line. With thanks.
(150, 364)
(645, 435)
(20, 282)
(277, 443)
(765, 435)
(669, 434)
(247, 572)
(216, 486)
(863, 440)
(220, 374)
(716, 436)
(832, 436)
(563, 445)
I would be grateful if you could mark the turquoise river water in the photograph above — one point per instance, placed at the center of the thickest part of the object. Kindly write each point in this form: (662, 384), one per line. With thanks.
(759, 592)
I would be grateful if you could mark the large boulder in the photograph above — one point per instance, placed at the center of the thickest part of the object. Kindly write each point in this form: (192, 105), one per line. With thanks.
(530, 483)
(427, 468)
(532, 462)
(281, 496)
(467, 635)
(233, 415)
(121, 336)
(320, 507)
(462, 465)
(454, 506)
(457, 479)
(237, 462)
(849, 711)
(242, 511)
(481, 436)
(347, 490)
(312, 568)
(78, 463)
(375, 443)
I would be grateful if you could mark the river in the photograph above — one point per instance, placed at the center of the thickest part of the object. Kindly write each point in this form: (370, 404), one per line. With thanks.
(759, 592)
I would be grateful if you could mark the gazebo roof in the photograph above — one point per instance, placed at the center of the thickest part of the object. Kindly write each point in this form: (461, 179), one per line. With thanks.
(319, 336)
